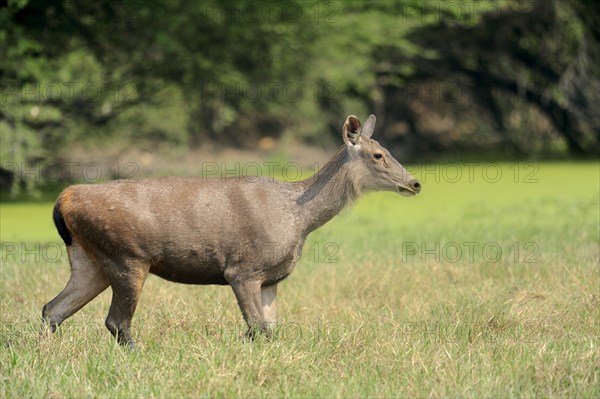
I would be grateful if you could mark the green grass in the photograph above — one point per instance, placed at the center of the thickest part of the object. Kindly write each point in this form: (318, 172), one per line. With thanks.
(381, 304)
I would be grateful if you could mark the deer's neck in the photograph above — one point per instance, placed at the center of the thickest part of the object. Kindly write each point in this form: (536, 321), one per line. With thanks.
(325, 194)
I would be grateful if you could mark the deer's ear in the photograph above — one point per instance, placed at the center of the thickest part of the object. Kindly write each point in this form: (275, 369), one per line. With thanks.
(351, 131)
(369, 126)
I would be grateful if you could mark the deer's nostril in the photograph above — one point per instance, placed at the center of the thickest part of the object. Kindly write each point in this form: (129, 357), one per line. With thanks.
(416, 186)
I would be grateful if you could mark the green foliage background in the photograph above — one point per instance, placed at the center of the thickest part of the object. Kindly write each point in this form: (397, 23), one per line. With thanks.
(502, 78)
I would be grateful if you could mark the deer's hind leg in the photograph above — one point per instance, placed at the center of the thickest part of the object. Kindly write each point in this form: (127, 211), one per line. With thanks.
(86, 282)
(127, 280)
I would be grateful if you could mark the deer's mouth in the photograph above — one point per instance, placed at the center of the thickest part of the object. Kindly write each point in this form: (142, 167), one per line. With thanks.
(405, 191)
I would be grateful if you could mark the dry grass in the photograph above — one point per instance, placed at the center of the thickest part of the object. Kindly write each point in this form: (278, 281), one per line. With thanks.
(370, 324)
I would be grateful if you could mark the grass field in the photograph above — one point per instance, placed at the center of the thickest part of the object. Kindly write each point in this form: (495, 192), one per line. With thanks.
(485, 285)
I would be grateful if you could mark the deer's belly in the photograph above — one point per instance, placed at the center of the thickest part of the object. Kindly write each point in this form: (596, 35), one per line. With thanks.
(192, 266)
(190, 276)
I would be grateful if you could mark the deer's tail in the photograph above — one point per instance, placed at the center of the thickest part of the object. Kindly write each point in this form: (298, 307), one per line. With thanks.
(60, 224)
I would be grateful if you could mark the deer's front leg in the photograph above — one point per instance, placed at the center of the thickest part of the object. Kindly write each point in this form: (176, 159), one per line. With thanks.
(248, 294)
(269, 305)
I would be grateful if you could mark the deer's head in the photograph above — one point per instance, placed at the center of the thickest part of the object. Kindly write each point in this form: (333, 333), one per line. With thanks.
(374, 167)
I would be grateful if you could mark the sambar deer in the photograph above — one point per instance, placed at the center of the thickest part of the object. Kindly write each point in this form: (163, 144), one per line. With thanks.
(191, 229)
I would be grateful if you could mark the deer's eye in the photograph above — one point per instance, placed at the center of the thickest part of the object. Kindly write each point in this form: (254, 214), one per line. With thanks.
(378, 155)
